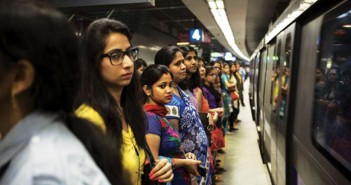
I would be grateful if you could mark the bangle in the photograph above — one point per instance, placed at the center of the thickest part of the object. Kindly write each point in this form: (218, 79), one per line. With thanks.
(173, 163)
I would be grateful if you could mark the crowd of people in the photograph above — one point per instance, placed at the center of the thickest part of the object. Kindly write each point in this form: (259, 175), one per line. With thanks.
(92, 112)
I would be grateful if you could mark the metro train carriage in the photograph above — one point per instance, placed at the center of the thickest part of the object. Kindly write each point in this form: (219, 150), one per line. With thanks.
(300, 96)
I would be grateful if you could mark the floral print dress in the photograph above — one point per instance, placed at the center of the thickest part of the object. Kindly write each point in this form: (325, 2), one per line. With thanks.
(191, 131)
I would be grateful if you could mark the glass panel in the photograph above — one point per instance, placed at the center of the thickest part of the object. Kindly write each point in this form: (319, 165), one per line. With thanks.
(331, 125)
(275, 77)
(285, 77)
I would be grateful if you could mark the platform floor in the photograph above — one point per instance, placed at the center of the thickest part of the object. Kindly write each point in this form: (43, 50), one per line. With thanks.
(242, 160)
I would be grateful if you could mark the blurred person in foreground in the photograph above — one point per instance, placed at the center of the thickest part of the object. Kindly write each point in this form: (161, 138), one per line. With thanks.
(42, 142)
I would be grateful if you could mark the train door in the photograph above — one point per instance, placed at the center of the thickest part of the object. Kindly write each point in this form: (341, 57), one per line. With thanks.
(267, 107)
(252, 89)
(273, 117)
(279, 103)
(259, 88)
(282, 100)
(256, 85)
(322, 125)
(262, 78)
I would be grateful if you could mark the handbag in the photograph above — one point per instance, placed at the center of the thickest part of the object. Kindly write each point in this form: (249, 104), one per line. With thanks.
(234, 96)
(218, 139)
(148, 166)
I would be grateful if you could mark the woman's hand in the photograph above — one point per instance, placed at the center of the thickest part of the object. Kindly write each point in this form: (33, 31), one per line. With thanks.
(191, 166)
(190, 155)
(162, 171)
(219, 110)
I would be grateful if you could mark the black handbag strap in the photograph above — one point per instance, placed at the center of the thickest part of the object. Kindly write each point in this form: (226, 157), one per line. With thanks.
(149, 154)
(4, 168)
(152, 164)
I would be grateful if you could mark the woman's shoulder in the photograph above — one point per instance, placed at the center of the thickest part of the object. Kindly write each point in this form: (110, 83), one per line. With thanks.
(87, 112)
(55, 156)
(151, 117)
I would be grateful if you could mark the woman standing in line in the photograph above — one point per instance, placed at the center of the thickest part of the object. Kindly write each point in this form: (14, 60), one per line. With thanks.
(41, 140)
(163, 139)
(182, 114)
(229, 85)
(109, 91)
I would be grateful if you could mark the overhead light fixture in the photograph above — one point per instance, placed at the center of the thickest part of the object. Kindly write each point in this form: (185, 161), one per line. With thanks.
(182, 43)
(218, 11)
(220, 4)
(212, 4)
(152, 48)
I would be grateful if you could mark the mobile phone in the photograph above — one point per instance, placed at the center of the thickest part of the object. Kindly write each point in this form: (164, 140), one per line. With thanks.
(201, 170)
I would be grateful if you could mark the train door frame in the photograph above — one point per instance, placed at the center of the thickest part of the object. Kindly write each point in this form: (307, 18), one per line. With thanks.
(251, 89)
(259, 72)
(260, 107)
(267, 108)
(256, 85)
(279, 118)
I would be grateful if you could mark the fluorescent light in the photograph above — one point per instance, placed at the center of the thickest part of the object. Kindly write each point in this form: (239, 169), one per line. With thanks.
(212, 4)
(220, 4)
(182, 43)
(342, 16)
(310, 1)
(347, 26)
(218, 11)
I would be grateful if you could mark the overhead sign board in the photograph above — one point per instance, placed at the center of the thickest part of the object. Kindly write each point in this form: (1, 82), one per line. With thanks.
(196, 35)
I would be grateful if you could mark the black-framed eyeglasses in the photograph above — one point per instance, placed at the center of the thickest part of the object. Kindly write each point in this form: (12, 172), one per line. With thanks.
(117, 56)
(189, 58)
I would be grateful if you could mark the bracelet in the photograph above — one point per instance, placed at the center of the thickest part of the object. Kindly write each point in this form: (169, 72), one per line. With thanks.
(169, 160)
(173, 163)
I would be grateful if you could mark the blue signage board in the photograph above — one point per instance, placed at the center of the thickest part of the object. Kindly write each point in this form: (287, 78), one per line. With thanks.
(196, 35)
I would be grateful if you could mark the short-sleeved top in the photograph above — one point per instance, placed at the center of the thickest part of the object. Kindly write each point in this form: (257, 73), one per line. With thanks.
(40, 149)
(131, 161)
(169, 145)
(191, 131)
(210, 97)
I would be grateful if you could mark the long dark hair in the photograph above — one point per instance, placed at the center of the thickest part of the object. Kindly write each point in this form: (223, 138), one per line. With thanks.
(195, 79)
(213, 91)
(152, 74)
(166, 54)
(40, 34)
(94, 93)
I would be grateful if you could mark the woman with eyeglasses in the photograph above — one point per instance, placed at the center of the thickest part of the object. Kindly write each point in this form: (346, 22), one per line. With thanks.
(109, 95)
(41, 140)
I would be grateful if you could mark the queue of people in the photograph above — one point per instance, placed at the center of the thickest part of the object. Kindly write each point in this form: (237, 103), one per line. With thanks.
(91, 112)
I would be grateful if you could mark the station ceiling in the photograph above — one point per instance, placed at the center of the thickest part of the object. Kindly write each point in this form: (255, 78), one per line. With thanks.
(249, 19)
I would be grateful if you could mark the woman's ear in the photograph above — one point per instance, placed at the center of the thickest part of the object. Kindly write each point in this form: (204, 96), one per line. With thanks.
(23, 77)
(147, 90)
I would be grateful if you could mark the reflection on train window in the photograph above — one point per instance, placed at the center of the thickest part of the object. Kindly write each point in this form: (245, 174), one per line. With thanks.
(331, 128)
(275, 77)
(285, 77)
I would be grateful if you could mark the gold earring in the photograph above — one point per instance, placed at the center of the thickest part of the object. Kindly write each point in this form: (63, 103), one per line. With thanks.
(14, 101)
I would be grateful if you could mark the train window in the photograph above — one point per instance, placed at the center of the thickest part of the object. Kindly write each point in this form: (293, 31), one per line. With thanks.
(331, 126)
(275, 77)
(284, 77)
